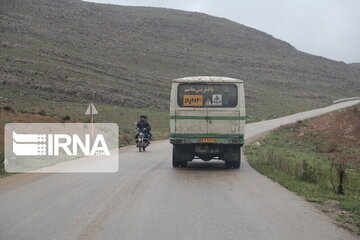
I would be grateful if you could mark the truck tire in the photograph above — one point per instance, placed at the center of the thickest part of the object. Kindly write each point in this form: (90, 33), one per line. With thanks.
(232, 157)
(177, 160)
(175, 163)
(236, 164)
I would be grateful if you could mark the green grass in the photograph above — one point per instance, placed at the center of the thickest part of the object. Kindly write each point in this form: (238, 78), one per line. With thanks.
(297, 166)
(124, 117)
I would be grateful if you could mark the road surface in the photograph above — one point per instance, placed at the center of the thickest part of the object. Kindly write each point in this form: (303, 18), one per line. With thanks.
(148, 199)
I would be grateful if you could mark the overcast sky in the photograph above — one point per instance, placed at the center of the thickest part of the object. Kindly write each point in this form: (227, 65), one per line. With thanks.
(329, 28)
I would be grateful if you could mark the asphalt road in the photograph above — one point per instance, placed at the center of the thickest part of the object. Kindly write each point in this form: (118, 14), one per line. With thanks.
(148, 199)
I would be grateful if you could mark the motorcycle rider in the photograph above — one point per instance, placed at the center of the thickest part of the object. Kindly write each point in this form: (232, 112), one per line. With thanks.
(143, 124)
(149, 129)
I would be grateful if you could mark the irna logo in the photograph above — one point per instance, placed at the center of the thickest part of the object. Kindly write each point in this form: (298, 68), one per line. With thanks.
(55, 144)
(61, 147)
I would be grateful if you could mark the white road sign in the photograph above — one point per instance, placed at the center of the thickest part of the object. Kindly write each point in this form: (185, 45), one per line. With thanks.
(91, 110)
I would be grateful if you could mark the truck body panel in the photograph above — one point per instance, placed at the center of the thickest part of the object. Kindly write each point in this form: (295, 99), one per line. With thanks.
(207, 116)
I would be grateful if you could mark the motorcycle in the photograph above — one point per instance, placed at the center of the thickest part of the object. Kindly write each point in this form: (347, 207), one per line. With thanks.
(142, 140)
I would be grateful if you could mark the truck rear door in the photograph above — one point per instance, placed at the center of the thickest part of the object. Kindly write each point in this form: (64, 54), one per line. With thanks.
(190, 121)
(207, 108)
(223, 122)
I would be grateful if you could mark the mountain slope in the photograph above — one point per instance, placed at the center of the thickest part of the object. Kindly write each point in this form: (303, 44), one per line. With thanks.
(68, 50)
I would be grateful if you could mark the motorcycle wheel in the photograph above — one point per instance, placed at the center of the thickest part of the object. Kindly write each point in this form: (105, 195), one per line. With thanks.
(140, 148)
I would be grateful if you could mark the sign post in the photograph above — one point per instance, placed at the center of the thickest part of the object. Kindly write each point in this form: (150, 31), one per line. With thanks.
(91, 110)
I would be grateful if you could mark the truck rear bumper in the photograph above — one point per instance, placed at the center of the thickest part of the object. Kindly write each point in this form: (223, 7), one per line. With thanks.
(186, 138)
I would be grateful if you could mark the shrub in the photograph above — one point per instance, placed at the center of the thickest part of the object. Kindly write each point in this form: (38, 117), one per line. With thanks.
(42, 112)
(2, 167)
(269, 157)
(66, 118)
(333, 147)
(8, 108)
(309, 172)
(299, 122)
(340, 164)
(356, 108)
(125, 139)
(326, 148)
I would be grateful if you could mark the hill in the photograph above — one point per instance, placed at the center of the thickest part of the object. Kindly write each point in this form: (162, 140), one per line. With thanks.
(67, 51)
(357, 65)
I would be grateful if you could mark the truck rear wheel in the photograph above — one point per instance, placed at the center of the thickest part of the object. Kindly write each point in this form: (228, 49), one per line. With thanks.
(177, 157)
(232, 157)
(233, 164)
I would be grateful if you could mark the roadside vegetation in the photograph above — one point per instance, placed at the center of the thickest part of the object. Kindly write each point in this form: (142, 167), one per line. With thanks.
(74, 112)
(318, 159)
(2, 170)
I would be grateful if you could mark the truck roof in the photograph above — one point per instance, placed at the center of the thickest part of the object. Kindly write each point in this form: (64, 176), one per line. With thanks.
(206, 79)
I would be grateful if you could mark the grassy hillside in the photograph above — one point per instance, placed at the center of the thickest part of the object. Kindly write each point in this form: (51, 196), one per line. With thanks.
(68, 52)
(318, 159)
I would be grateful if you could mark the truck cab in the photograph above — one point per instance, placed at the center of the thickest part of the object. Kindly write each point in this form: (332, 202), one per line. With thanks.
(207, 120)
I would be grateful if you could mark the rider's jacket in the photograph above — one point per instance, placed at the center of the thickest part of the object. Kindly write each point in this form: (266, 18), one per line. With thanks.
(143, 124)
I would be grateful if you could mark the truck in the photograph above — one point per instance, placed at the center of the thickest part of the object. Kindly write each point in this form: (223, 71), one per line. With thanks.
(207, 120)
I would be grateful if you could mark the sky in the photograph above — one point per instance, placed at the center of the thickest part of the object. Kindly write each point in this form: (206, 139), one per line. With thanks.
(328, 28)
